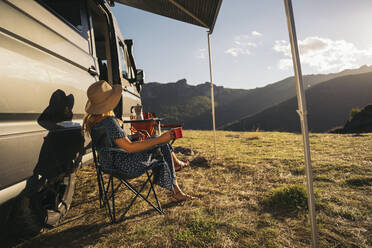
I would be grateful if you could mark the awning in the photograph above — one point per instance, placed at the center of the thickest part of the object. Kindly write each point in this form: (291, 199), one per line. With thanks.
(202, 13)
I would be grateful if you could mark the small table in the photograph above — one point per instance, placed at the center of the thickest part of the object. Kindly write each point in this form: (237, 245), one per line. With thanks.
(157, 120)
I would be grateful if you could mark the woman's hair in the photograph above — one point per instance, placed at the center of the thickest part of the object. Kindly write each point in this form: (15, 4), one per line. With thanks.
(91, 119)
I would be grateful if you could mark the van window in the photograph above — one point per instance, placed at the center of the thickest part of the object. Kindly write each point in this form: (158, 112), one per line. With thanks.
(103, 71)
(67, 10)
(124, 69)
(101, 34)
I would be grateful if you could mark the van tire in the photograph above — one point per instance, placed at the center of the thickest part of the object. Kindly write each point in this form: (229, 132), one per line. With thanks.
(54, 216)
(29, 216)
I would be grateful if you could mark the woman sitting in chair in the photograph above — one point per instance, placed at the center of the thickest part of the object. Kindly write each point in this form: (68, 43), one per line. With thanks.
(137, 156)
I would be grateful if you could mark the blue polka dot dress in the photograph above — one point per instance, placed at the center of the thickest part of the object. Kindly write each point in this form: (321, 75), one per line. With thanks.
(132, 164)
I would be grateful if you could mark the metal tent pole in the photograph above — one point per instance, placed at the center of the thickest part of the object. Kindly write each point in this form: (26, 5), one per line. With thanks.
(212, 94)
(183, 9)
(303, 116)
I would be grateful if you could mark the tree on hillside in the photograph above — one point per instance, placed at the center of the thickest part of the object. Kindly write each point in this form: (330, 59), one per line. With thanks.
(353, 113)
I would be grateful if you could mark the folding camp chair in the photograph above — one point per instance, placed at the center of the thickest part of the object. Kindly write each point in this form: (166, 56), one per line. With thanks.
(101, 146)
(146, 127)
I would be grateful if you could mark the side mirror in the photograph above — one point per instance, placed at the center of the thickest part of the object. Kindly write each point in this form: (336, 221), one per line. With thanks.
(140, 80)
(140, 76)
(129, 44)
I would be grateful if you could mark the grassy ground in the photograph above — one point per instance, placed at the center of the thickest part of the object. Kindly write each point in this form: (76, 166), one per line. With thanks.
(251, 195)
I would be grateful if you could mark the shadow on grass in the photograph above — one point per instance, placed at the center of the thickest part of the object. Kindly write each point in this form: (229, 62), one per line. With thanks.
(77, 236)
(84, 201)
(359, 181)
(200, 161)
(144, 213)
(86, 213)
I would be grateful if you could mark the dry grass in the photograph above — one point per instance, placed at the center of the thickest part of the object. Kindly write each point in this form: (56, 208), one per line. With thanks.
(229, 213)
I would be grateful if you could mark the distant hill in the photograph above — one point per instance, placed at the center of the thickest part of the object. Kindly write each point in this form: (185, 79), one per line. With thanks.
(360, 123)
(329, 105)
(256, 100)
(180, 102)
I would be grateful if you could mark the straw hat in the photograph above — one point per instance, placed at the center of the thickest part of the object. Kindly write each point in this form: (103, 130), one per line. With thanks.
(102, 97)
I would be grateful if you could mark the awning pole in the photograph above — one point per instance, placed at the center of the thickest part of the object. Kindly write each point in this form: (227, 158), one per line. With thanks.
(212, 94)
(303, 117)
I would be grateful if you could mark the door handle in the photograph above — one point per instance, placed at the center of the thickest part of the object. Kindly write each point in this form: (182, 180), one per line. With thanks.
(92, 71)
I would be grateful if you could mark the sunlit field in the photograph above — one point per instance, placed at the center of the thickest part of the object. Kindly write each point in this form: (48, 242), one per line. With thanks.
(251, 195)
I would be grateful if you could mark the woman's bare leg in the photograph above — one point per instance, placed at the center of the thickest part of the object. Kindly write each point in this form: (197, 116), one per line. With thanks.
(179, 195)
(176, 188)
(178, 164)
(175, 160)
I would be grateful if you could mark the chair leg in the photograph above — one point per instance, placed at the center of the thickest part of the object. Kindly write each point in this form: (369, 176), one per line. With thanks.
(116, 189)
(138, 193)
(106, 201)
(99, 189)
(153, 190)
(99, 176)
(109, 191)
(148, 193)
(113, 197)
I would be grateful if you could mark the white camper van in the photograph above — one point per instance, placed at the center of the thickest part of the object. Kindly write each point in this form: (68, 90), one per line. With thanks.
(50, 52)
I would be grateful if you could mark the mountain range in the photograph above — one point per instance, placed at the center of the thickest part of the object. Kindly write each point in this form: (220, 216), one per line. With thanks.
(329, 105)
(181, 102)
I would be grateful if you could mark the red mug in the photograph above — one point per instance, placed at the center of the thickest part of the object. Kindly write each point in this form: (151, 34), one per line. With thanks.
(177, 133)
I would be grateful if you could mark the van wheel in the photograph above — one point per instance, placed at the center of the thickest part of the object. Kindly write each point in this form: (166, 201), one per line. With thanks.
(44, 207)
(58, 199)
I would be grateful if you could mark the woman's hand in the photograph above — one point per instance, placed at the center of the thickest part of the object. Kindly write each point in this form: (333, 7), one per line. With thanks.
(138, 135)
(129, 146)
(166, 137)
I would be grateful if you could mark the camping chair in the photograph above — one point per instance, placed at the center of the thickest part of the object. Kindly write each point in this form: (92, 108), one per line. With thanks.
(102, 146)
(147, 128)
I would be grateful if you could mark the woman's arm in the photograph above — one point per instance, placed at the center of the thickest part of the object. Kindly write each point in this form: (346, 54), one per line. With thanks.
(130, 146)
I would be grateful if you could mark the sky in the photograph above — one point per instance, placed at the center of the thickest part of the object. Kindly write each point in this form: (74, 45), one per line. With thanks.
(250, 42)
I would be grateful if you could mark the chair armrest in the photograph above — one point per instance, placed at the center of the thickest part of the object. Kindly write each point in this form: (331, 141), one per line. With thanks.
(141, 121)
(112, 149)
(107, 149)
